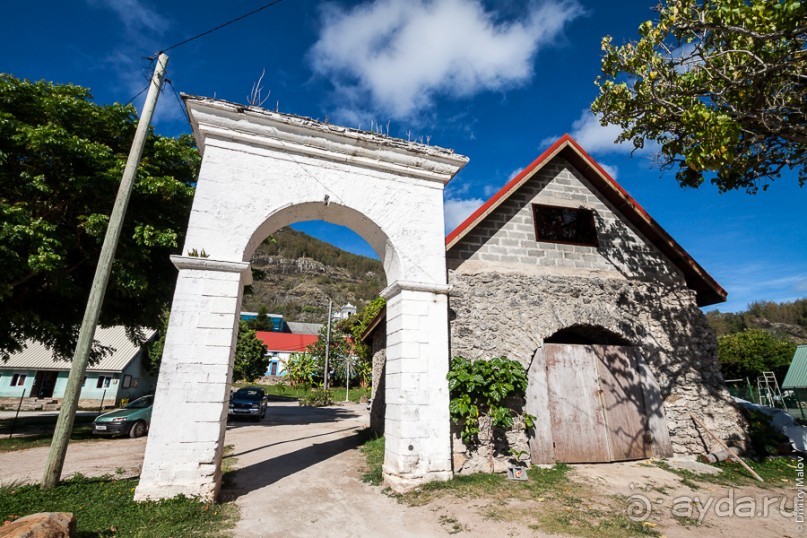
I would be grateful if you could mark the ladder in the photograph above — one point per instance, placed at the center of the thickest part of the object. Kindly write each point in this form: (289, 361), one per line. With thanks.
(768, 390)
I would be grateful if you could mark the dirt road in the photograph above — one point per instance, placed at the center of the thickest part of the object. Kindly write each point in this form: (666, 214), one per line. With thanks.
(297, 474)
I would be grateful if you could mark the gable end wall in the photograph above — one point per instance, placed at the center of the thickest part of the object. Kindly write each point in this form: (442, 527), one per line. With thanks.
(507, 236)
(510, 292)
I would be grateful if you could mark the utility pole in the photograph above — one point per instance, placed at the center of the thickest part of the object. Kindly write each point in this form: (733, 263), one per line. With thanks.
(347, 378)
(328, 346)
(81, 355)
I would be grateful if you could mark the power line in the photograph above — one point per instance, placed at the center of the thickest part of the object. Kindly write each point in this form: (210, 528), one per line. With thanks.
(220, 26)
(138, 94)
(176, 94)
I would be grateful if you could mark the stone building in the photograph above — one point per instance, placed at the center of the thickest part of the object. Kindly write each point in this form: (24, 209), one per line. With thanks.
(563, 271)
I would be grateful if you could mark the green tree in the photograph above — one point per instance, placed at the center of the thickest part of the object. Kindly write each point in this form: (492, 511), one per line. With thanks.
(250, 360)
(753, 351)
(154, 349)
(338, 352)
(261, 321)
(302, 369)
(61, 161)
(719, 85)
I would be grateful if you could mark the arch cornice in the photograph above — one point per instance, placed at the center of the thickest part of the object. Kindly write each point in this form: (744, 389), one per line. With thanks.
(215, 120)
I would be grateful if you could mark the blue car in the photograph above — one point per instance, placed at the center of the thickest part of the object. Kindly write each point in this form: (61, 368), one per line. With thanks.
(249, 402)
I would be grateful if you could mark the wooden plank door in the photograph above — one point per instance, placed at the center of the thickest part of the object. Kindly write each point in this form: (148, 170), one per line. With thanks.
(578, 420)
(624, 402)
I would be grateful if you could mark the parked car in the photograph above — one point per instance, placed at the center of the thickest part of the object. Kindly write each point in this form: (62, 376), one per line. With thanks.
(133, 420)
(248, 402)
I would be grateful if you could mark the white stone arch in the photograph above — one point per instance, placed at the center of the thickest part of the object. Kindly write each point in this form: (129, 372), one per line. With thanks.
(261, 171)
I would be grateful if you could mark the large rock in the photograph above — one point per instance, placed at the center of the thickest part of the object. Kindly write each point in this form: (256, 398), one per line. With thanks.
(42, 525)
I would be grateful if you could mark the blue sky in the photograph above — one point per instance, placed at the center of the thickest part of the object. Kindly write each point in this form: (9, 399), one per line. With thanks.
(496, 81)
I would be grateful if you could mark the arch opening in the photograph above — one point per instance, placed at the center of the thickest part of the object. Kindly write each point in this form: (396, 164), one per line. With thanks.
(332, 213)
(579, 334)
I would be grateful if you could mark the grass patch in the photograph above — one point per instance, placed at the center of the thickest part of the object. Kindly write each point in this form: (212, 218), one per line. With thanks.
(228, 462)
(105, 507)
(373, 450)
(580, 523)
(556, 506)
(81, 432)
(776, 472)
(452, 524)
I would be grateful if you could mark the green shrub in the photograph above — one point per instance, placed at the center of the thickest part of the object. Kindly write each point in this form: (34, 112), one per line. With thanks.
(317, 398)
(486, 387)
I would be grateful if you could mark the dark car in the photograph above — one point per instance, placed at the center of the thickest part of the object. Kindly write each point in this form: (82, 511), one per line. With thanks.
(133, 420)
(248, 402)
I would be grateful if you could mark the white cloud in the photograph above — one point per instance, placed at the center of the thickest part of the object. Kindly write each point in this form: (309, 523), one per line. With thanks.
(457, 210)
(613, 171)
(135, 15)
(142, 33)
(396, 56)
(493, 188)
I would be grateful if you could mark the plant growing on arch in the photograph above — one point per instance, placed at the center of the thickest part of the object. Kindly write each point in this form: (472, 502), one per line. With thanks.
(486, 387)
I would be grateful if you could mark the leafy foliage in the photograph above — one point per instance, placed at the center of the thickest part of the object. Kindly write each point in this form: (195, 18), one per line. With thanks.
(154, 349)
(783, 320)
(318, 397)
(302, 369)
(719, 85)
(61, 161)
(250, 355)
(261, 321)
(338, 353)
(485, 387)
(752, 351)
(356, 325)
(250, 360)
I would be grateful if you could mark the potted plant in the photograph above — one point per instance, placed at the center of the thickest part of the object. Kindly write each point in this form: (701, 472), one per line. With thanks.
(518, 469)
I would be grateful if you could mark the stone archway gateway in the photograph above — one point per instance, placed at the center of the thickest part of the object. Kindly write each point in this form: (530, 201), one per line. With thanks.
(261, 171)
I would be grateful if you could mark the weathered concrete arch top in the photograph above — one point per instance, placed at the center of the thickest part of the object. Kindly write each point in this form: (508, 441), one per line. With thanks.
(263, 170)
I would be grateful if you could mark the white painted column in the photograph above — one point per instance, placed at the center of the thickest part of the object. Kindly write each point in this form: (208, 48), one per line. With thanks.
(416, 427)
(185, 444)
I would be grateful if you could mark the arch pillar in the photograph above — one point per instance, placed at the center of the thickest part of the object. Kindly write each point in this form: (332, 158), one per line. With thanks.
(186, 439)
(416, 427)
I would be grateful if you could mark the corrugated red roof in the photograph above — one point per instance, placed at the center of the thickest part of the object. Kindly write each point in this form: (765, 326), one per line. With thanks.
(275, 341)
(707, 289)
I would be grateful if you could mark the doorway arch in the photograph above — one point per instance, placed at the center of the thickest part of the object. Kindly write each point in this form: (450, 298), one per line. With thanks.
(261, 171)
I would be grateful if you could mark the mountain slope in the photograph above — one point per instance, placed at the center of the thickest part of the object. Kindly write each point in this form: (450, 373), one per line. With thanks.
(785, 320)
(296, 274)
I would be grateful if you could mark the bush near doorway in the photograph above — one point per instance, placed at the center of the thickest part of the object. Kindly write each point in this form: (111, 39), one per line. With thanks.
(486, 388)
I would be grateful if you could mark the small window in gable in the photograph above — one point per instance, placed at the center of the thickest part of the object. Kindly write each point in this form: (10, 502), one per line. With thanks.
(572, 225)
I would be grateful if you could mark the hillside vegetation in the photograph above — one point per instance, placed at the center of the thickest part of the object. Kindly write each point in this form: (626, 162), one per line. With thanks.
(783, 320)
(296, 273)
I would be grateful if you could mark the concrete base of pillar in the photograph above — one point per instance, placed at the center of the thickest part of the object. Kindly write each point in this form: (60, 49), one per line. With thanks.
(207, 492)
(403, 484)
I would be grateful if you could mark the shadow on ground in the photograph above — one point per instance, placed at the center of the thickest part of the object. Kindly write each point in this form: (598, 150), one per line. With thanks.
(265, 473)
(290, 415)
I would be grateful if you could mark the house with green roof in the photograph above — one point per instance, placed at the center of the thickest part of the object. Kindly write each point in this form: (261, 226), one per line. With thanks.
(796, 378)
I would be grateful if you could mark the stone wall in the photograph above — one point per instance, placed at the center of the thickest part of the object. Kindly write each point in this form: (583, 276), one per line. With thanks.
(511, 314)
(378, 407)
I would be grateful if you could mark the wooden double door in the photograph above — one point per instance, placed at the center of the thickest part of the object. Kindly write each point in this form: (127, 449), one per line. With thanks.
(595, 403)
